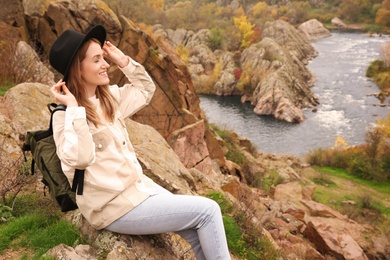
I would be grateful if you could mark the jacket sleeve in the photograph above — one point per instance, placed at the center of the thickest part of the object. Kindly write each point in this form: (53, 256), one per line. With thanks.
(137, 94)
(74, 142)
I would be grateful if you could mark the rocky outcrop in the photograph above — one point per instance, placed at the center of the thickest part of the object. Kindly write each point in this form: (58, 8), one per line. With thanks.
(313, 30)
(28, 67)
(271, 74)
(279, 80)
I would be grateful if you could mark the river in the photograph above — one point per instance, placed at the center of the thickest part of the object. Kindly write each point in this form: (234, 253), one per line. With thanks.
(346, 108)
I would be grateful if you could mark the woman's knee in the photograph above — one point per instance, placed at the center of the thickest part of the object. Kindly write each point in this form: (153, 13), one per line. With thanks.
(212, 206)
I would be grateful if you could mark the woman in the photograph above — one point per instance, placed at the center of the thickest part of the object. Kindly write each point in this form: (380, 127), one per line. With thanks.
(91, 135)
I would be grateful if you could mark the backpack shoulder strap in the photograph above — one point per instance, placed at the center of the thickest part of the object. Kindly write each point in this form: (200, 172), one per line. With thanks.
(53, 107)
(78, 182)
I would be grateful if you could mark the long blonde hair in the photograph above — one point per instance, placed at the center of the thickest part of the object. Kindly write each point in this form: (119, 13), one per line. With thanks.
(76, 85)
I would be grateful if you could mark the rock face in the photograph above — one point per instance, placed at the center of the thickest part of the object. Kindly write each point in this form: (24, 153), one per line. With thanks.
(279, 80)
(313, 30)
(174, 144)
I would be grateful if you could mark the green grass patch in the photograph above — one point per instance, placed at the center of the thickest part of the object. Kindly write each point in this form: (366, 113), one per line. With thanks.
(234, 235)
(251, 245)
(383, 209)
(370, 197)
(36, 226)
(271, 179)
(342, 173)
(38, 233)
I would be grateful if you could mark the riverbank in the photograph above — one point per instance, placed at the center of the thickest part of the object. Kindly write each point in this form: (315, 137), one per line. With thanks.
(358, 28)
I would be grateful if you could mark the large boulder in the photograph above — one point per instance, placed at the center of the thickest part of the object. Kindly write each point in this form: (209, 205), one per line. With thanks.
(313, 30)
(26, 104)
(337, 22)
(27, 66)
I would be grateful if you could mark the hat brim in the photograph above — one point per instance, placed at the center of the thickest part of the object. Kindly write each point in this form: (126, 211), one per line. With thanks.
(97, 32)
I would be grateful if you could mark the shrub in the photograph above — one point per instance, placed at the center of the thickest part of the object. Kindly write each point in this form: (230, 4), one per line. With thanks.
(314, 157)
(366, 201)
(237, 73)
(375, 67)
(360, 167)
(215, 38)
(383, 80)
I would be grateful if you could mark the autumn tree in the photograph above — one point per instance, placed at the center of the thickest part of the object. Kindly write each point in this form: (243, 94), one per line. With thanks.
(383, 14)
(353, 10)
(246, 30)
(180, 15)
(261, 12)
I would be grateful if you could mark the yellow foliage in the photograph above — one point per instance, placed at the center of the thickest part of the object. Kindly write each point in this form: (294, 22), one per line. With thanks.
(384, 126)
(223, 11)
(261, 9)
(206, 84)
(340, 144)
(246, 30)
(183, 53)
(244, 81)
(157, 5)
(239, 12)
(217, 70)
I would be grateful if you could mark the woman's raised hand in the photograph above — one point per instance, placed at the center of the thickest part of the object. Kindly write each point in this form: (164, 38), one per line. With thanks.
(62, 94)
(115, 55)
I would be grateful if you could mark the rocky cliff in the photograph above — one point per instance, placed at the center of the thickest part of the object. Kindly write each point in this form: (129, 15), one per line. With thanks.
(173, 142)
(270, 74)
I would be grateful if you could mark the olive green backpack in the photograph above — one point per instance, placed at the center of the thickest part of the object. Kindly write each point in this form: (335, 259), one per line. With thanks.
(44, 156)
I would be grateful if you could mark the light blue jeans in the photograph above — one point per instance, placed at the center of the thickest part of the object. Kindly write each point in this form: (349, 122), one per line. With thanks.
(197, 219)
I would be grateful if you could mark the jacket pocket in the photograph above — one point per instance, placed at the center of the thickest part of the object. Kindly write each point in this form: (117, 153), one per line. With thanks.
(102, 139)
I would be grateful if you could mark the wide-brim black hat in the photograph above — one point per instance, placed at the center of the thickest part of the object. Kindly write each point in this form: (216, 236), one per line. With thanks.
(66, 46)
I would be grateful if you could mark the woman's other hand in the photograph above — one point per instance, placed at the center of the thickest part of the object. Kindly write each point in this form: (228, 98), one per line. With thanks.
(62, 94)
(115, 55)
